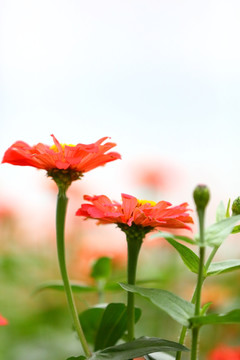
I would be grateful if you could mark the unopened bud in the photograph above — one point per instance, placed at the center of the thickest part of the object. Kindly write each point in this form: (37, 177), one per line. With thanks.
(236, 206)
(201, 196)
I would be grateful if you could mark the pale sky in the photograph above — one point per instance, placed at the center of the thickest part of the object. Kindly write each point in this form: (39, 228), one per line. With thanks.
(160, 77)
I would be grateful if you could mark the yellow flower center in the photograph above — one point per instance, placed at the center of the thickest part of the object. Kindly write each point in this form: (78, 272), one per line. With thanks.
(54, 148)
(143, 202)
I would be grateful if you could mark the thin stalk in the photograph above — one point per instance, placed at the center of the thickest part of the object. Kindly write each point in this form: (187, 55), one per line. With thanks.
(184, 328)
(60, 225)
(134, 246)
(195, 331)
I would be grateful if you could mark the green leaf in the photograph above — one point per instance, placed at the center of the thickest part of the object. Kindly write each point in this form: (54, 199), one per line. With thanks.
(58, 285)
(112, 286)
(159, 356)
(76, 358)
(236, 229)
(137, 348)
(233, 317)
(205, 308)
(228, 209)
(176, 307)
(101, 268)
(221, 212)
(190, 259)
(113, 325)
(224, 266)
(218, 232)
(90, 320)
(167, 236)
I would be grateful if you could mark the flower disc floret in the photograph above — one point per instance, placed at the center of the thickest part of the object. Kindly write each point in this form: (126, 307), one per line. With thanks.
(132, 212)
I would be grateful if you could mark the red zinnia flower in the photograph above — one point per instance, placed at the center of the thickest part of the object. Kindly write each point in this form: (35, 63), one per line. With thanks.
(80, 158)
(133, 211)
(3, 321)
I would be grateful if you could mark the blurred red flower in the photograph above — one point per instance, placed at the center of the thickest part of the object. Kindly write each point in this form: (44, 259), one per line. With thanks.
(133, 211)
(3, 321)
(80, 157)
(223, 352)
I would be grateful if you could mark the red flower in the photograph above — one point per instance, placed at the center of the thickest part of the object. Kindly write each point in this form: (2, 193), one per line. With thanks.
(80, 158)
(3, 321)
(134, 211)
(224, 352)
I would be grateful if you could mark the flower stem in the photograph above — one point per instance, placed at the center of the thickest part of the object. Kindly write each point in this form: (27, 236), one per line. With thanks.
(134, 245)
(184, 328)
(60, 225)
(195, 330)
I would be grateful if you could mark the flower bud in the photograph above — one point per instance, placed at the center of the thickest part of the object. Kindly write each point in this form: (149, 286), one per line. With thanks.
(201, 196)
(236, 206)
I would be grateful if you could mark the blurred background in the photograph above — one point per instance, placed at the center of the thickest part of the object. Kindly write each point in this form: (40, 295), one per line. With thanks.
(162, 79)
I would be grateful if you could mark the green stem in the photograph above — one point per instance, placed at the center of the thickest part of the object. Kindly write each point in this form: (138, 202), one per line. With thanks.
(134, 245)
(184, 328)
(195, 331)
(60, 225)
(194, 347)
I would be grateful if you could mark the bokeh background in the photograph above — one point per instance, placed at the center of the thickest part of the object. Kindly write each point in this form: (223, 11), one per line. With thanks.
(162, 79)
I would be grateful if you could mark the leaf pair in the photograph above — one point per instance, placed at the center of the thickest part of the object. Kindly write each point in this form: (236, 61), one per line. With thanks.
(150, 348)
(181, 310)
(191, 260)
(136, 348)
(104, 326)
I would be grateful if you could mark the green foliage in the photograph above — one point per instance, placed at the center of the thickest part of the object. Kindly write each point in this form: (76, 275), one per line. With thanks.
(218, 232)
(76, 358)
(137, 348)
(232, 317)
(228, 209)
(224, 266)
(90, 320)
(221, 212)
(167, 236)
(190, 259)
(104, 325)
(205, 308)
(236, 229)
(176, 307)
(58, 285)
(113, 325)
(101, 268)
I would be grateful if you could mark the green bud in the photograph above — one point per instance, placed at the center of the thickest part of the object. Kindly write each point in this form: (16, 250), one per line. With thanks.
(201, 196)
(236, 206)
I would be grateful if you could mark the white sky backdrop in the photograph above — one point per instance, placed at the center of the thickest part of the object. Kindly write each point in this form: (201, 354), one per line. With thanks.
(162, 78)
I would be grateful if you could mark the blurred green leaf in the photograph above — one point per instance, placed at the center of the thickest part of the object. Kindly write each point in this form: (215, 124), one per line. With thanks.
(76, 358)
(228, 209)
(221, 212)
(101, 268)
(190, 259)
(58, 285)
(137, 348)
(224, 266)
(90, 320)
(236, 229)
(167, 236)
(233, 317)
(113, 325)
(205, 308)
(176, 307)
(218, 232)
